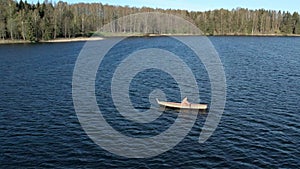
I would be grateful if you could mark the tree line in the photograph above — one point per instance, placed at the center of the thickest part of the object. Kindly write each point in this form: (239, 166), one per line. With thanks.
(47, 20)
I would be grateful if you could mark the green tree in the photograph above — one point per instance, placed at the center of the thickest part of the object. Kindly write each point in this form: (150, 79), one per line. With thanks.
(287, 23)
(3, 18)
(11, 19)
(296, 23)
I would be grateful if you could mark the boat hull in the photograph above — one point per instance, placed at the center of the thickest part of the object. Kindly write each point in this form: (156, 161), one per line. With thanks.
(191, 106)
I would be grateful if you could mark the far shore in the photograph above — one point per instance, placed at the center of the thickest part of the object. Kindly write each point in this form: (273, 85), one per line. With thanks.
(73, 39)
(58, 40)
(82, 39)
(262, 35)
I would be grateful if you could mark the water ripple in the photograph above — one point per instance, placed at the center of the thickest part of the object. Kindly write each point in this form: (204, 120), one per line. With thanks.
(259, 128)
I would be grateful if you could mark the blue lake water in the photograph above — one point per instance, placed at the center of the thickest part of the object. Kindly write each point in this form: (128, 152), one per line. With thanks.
(260, 126)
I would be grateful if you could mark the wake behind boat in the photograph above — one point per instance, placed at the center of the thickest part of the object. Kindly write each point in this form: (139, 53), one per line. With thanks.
(183, 105)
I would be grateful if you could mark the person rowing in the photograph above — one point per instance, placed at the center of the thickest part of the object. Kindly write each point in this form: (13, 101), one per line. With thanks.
(185, 102)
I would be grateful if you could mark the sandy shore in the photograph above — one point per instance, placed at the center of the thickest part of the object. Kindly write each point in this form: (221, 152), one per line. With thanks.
(13, 41)
(53, 40)
(74, 39)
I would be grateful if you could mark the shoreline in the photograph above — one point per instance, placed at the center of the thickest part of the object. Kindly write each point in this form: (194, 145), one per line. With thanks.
(259, 35)
(82, 39)
(58, 40)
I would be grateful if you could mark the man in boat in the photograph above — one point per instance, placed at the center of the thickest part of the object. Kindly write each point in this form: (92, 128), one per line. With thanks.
(185, 102)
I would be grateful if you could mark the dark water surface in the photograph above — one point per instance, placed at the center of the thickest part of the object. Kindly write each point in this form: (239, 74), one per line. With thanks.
(260, 127)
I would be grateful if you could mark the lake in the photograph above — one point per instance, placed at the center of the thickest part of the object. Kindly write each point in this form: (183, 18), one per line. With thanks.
(260, 126)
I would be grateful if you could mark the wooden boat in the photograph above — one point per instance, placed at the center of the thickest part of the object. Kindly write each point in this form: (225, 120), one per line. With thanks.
(183, 105)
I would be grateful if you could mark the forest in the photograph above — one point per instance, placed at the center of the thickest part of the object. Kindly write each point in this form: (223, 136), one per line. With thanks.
(20, 20)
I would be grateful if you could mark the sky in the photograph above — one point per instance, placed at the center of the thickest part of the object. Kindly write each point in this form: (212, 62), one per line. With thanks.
(199, 5)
